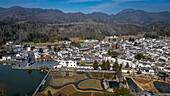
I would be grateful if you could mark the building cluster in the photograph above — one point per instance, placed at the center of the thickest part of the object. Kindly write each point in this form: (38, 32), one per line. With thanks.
(156, 54)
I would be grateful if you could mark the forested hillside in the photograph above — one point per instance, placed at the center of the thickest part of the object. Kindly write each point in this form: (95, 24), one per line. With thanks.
(41, 25)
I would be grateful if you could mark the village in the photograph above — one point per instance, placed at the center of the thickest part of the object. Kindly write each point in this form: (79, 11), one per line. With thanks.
(125, 58)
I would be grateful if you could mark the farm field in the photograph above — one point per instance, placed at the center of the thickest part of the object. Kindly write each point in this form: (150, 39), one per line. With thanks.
(91, 83)
(73, 84)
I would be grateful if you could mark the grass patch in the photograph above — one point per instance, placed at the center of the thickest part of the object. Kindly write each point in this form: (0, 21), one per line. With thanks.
(40, 94)
(69, 89)
(96, 75)
(90, 83)
(65, 81)
(146, 84)
(108, 75)
(142, 80)
(80, 77)
(53, 91)
(57, 76)
(102, 94)
(81, 94)
(56, 82)
(59, 94)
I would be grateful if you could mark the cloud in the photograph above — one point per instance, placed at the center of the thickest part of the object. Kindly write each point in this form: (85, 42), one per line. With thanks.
(27, 4)
(82, 1)
(107, 6)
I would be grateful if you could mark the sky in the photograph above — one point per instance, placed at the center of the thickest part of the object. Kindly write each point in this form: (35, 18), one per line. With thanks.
(89, 6)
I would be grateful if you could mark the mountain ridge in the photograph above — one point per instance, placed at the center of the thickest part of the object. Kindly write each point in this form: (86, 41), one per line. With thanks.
(128, 15)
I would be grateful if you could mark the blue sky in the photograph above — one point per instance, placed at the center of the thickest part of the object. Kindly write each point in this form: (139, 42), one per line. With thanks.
(88, 6)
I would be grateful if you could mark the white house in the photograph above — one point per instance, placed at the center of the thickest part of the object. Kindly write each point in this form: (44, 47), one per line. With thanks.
(123, 62)
(18, 55)
(28, 48)
(4, 58)
(68, 63)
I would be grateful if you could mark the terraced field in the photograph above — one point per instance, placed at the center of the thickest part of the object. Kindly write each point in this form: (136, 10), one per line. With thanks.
(73, 84)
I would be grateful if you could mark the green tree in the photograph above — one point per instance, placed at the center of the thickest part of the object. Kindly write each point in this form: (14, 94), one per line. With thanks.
(32, 48)
(139, 72)
(114, 54)
(121, 91)
(115, 65)
(131, 39)
(55, 49)
(127, 65)
(124, 81)
(116, 46)
(49, 93)
(40, 50)
(49, 47)
(139, 56)
(81, 63)
(109, 39)
(136, 44)
(114, 39)
(109, 53)
(95, 65)
(120, 66)
(103, 66)
(108, 66)
(58, 49)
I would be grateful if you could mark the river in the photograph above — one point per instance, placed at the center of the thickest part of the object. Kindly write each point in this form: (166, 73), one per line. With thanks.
(20, 82)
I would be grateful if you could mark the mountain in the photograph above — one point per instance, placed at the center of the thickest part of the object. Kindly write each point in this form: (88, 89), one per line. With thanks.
(131, 15)
(126, 16)
(42, 25)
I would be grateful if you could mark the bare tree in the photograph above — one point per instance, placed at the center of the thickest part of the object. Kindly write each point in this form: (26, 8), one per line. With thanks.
(3, 88)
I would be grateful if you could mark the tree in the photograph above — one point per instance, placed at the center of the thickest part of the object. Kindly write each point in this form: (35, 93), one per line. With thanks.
(109, 53)
(49, 47)
(103, 66)
(118, 73)
(116, 46)
(3, 88)
(49, 93)
(58, 49)
(32, 48)
(114, 39)
(131, 39)
(76, 44)
(40, 50)
(115, 65)
(136, 44)
(127, 65)
(139, 56)
(139, 72)
(95, 65)
(120, 66)
(121, 91)
(108, 66)
(81, 63)
(114, 54)
(124, 81)
(109, 39)
(55, 49)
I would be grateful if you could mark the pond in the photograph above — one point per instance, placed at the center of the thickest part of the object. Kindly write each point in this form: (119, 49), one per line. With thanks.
(20, 82)
(132, 85)
(113, 84)
(162, 87)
